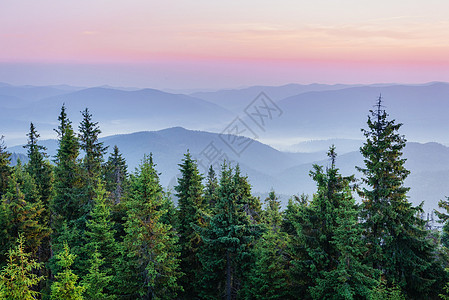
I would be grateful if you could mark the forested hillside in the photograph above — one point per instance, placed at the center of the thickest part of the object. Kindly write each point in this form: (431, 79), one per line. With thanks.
(82, 225)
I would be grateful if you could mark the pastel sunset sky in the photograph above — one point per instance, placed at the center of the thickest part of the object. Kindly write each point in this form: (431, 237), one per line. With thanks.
(219, 44)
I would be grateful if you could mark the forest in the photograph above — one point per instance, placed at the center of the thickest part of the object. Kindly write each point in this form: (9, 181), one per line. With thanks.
(80, 225)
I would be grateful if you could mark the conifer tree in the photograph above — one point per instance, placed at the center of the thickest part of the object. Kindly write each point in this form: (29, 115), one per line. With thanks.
(67, 205)
(210, 189)
(41, 170)
(18, 277)
(66, 286)
(97, 281)
(228, 240)
(151, 261)
(269, 277)
(116, 173)
(93, 158)
(330, 239)
(190, 213)
(101, 248)
(5, 169)
(395, 234)
(21, 211)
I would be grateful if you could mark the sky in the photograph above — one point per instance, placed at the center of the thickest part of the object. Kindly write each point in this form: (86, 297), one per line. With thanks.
(205, 44)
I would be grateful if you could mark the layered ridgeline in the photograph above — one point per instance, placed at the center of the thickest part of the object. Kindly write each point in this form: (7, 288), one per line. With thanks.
(286, 172)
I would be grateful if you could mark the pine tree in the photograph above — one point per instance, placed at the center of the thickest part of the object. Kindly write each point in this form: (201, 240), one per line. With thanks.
(67, 205)
(101, 248)
(228, 240)
(395, 234)
(66, 286)
(18, 277)
(97, 281)
(41, 170)
(116, 173)
(150, 244)
(326, 245)
(210, 189)
(93, 158)
(190, 213)
(5, 169)
(269, 277)
(21, 211)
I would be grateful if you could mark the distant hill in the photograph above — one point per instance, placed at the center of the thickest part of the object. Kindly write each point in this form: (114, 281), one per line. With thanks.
(287, 173)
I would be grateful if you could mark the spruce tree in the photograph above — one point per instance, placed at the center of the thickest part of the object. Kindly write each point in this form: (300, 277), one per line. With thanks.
(66, 286)
(94, 150)
(395, 234)
(97, 280)
(21, 213)
(190, 213)
(101, 248)
(18, 277)
(210, 189)
(151, 263)
(67, 205)
(116, 173)
(5, 169)
(41, 170)
(269, 277)
(228, 239)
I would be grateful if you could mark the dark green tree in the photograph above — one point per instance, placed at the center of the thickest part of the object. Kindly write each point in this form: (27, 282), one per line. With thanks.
(67, 205)
(5, 169)
(228, 240)
(21, 212)
(190, 214)
(210, 189)
(41, 170)
(269, 277)
(116, 174)
(394, 233)
(150, 257)
(94, 150)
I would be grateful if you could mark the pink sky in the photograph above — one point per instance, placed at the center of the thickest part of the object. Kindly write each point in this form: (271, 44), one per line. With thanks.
(211, 44)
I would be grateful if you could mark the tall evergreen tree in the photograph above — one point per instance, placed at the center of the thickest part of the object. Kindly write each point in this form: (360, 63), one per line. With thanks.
(269, 277)
(66, 285)
(190, 213)
(21, 212)
(41, 170)
(67, 205)
(210, 189)
(5, 169)
(116, 173)
(18, 277)
(102, 250)
(228, 240)
(330, 239)
(151, 262)
(94, 150)
(395, 234)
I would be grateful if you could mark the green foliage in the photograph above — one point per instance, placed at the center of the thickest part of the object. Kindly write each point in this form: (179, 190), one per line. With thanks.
(68, 204)
(97, 281)
(151, 263)
(269, 277)
(18, 277)
(21, 213)
(65, 286)
(93, 158)
(397, 241)
(228, 239)
(382, 292)
(116, 174)
(190, 213)
(5, 169)
(210, 189)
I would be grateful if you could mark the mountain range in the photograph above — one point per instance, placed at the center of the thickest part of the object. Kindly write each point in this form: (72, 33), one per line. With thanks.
(267, 168)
